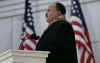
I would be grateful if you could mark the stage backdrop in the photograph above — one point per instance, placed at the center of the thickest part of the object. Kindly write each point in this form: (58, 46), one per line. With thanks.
(12, 13)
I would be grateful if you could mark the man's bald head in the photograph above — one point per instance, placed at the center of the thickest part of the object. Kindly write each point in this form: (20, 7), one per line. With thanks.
(54, 11)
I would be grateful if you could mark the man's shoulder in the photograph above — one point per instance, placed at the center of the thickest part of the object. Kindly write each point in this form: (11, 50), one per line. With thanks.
(60, 24)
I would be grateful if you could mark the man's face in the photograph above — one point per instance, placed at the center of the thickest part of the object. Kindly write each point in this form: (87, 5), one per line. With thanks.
(52, 13)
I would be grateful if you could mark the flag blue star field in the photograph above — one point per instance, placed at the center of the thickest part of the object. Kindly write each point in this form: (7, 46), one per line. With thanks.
(83, 43)
(28, 36)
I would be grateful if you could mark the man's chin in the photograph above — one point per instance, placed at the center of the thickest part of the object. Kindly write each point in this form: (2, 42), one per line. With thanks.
(48, 21)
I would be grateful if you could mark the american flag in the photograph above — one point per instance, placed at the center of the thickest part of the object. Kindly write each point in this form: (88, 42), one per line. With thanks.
(83, 43)
(28, 36)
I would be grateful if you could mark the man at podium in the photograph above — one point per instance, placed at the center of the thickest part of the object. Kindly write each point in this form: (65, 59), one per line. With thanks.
(59, 37)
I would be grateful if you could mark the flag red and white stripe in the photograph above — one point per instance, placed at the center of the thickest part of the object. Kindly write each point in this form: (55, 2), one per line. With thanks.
(27, 44)
(28, 37)
(83, 43)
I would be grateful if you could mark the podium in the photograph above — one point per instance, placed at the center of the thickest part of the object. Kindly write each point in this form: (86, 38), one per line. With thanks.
(20, 56)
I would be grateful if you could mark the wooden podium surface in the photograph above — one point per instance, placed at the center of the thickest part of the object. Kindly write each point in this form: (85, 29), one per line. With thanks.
(20, 56)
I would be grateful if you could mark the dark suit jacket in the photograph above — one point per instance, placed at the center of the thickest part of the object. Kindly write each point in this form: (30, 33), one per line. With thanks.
(60, 41)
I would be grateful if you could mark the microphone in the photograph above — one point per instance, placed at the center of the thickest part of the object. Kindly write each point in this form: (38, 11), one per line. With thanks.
(34, 36)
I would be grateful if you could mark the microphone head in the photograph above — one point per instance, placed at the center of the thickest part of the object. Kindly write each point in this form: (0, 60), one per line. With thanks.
(34, 36)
